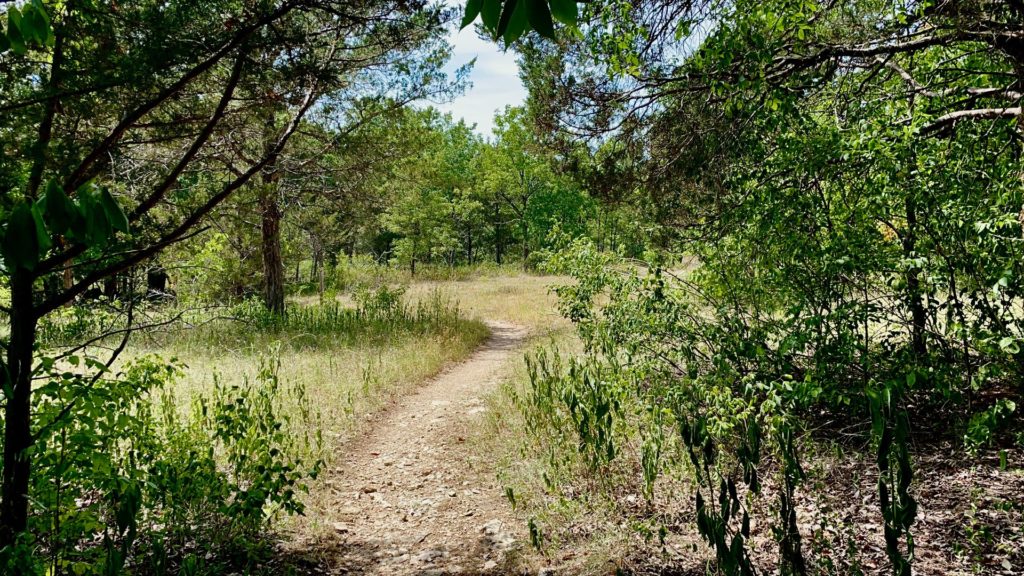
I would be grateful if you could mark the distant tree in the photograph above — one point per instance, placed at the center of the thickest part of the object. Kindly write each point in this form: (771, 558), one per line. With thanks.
(433, 209)
(516, 170)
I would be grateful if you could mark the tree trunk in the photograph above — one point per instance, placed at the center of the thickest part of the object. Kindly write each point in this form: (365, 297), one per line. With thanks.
(320, 288)
(918, 313)
(525, 226)
(67, 276)
(111, 288)
(497, 234)
(273, 265)
(17, 383)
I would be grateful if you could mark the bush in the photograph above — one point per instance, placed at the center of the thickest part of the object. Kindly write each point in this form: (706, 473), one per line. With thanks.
(76, 323)
(126, 482)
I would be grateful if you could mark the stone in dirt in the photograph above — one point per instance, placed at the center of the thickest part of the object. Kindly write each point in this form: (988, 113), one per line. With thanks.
(429, 556)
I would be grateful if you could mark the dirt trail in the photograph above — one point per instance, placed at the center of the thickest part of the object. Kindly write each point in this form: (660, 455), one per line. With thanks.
(409, 496)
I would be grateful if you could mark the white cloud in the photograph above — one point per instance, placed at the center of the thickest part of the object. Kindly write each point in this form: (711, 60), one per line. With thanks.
(495, 80)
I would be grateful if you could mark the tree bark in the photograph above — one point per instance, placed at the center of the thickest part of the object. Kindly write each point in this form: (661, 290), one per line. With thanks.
(497, 233)
(273, 264)
(525, 227)
(919, 315)
(17, 384)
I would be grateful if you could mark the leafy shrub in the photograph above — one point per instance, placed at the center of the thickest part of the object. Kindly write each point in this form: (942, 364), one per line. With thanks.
(726, 380)
(984, 425)
(128, 483)
(75, 323)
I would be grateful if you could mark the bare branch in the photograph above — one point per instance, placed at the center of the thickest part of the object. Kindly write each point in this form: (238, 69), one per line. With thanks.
(952, 118)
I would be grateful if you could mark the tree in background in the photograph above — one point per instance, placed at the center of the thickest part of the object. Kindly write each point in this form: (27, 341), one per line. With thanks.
(516, 171)
(432, 209)
(386, 75)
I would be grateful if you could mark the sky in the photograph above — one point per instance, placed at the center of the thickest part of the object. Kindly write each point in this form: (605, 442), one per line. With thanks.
(494, 78)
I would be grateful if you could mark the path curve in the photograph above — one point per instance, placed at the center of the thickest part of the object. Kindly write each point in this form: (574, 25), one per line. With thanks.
(409, 496)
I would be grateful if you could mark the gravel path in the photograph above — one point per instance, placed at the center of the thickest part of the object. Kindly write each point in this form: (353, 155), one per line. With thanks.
(410, 498)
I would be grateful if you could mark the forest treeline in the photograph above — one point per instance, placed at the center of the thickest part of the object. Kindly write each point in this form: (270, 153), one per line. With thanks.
(405, 187)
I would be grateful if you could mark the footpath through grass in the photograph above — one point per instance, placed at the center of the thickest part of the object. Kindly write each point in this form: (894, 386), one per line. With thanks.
(216, 424)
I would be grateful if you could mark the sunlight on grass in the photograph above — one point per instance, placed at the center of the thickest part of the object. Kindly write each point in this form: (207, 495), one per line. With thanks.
(522, 299)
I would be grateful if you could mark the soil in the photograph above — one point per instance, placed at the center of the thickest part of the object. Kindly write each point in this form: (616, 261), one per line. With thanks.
(409, 495)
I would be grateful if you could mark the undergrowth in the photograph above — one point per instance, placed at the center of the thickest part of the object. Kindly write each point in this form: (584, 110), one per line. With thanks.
(131, 484)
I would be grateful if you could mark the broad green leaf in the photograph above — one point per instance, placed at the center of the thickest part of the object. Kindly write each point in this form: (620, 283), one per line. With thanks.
(97, 223)
(115, 215)
(14, 34)
(60, 213)
(41, 10)
(506, 17)
(565, 11)
(517, 23)
(539, 17)
(42, 238)
(34, 26)
(472, 11)
(490, 13)
(21, 240)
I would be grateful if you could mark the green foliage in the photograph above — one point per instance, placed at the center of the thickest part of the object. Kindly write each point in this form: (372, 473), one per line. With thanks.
(128, 483)
(73, 324)
(379, 314)
(112, 114)
(983, 426)
(851, 204)
(28, 26)
(510, 19)
(92, 219)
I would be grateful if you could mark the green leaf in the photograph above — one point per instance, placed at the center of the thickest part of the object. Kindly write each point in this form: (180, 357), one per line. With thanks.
(97, 223)
(539, 17)
(490, 13)
(565, 11)
(41, 10)
(42, 238)
(21, 240)
(14, 34)
(34, 26)
(472, 11)
(114, 213)
(517, 21)
(60, 213)
(1009, 345)
(506, 17)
